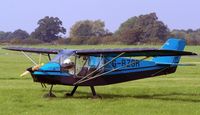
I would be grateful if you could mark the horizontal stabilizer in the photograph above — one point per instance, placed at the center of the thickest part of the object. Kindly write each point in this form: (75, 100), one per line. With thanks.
(180, 64)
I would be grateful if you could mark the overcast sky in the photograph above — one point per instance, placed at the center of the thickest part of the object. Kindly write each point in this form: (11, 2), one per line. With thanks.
(24, 14)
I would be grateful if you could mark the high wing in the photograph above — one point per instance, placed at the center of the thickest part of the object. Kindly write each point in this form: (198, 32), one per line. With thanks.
(34, 50)
(149, 52)
(133, 52)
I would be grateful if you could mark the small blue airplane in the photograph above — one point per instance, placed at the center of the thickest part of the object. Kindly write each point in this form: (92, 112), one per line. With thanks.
(96, 67)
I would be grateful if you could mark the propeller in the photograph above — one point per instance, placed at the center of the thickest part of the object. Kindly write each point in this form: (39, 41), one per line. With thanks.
(34, 68)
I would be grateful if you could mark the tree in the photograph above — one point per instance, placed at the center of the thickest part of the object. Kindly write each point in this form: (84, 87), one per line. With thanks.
(19, 34)
(191, 36)
(49, 29)
(147, 27)
(130, 36)
(2, 35)
(88, 28)
(5, 35)
(178, 33)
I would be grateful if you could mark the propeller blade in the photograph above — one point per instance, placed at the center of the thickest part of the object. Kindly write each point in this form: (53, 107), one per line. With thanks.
(34, 68)
(40, 58)
(25, 73)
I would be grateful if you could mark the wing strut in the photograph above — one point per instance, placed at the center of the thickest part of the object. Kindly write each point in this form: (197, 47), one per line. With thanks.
(49, 57)
(111, 71)
(99, 68)
(29, 58)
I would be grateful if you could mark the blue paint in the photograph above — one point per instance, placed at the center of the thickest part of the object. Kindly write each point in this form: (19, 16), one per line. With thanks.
(171, 44)
(127, 71)
(51, 69)
(57, 74)
(123, 61)
(94, 62)
(51, 66)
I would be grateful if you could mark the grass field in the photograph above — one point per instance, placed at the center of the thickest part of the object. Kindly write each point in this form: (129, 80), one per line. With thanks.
(175, 94)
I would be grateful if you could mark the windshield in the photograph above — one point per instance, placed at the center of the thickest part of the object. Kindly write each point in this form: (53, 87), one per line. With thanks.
(63, 56)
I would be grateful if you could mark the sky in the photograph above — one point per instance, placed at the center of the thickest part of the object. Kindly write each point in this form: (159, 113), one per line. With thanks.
(24, 14)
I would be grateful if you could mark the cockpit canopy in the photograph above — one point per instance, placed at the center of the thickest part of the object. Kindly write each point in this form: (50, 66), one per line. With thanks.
(75, 64)
(63, 56)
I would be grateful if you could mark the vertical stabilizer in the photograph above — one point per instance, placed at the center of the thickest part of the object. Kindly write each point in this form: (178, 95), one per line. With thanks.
(171, 44)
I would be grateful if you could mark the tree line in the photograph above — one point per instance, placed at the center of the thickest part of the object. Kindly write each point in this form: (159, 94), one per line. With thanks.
(141, 29)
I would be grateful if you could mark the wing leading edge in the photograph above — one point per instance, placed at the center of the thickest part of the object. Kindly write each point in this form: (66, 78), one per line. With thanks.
(109, 52)
(34, 50)
(134, 52)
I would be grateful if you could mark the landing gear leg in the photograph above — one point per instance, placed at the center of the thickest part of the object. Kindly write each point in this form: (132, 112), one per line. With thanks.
(43, 85)
(72, 92)
(95, 96)
(50, 94)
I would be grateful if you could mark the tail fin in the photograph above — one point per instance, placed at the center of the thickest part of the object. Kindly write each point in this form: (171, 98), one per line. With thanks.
(171, 44)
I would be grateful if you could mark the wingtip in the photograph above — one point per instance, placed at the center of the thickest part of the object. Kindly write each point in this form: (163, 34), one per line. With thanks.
(8, 48)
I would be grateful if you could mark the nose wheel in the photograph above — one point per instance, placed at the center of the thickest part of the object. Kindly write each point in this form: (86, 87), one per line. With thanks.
(50, 94)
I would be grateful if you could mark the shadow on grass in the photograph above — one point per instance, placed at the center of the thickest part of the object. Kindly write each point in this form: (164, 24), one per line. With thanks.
(195, 98)
(10, 79)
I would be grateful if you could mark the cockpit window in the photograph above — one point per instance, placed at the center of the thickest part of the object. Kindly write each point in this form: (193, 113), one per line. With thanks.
(63, 56)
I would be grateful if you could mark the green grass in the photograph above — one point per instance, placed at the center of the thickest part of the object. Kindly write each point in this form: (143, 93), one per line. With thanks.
(175, 94)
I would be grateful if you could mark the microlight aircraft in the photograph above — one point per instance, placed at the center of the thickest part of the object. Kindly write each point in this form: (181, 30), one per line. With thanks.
(97, 67)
